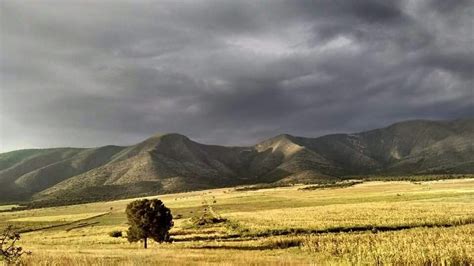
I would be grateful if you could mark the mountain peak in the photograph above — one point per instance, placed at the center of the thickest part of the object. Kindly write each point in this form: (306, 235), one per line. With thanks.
(172, 162)
(168, 135)
(282, 137)
(283, 143)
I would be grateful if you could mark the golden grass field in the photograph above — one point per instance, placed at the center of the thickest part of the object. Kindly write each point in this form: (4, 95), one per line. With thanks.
(398, 223)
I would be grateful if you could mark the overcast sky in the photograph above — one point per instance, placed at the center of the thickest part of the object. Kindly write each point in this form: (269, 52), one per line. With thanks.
(89, 73)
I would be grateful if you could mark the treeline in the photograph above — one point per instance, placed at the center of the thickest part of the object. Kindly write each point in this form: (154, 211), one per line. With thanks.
(333, 185)
(414, 178)
(345, 181)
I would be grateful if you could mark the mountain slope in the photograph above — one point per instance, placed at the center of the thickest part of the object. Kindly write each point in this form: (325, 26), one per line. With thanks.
(167, 163)
(403, 148)
(172, 162)
(26, 172)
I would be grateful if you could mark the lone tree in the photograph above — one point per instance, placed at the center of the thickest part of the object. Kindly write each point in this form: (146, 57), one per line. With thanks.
(8, 249)
(149, 219)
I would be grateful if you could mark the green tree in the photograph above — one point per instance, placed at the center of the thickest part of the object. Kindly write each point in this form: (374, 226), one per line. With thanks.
(148, 219)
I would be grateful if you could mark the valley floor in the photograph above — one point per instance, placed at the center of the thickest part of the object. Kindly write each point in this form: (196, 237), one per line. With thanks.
(402, 223)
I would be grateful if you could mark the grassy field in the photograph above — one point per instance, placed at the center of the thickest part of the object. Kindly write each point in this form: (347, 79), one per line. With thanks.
(7, 207)
(401, 223)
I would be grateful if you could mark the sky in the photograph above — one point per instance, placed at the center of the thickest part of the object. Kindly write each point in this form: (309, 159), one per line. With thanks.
(231, 72)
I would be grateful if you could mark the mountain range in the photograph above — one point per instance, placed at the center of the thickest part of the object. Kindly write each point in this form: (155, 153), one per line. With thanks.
(174, 163)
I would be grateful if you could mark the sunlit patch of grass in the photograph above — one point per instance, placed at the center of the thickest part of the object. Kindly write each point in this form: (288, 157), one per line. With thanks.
(8, 207)
(390, 214)
(422, 246)
(57, 218)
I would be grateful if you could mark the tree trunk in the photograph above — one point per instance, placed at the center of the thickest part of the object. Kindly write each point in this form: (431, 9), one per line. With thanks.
(145, 245)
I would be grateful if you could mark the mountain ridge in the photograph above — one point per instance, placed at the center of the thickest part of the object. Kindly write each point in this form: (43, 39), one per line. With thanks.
(173, 162)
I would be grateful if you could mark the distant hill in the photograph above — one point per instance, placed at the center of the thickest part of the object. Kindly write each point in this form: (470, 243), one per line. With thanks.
(174, 163)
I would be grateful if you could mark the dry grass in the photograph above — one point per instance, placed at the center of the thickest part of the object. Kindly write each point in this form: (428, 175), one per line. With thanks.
(423, 246)
(243, 239)
(8, 207)
(379, 214)
(57, 218)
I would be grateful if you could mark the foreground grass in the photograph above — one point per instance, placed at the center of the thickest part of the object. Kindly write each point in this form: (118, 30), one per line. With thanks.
(271, 226)
(384, 216)
(419, 246)
(424, 246)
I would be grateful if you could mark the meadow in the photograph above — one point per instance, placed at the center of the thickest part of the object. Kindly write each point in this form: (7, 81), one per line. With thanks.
(398, 223)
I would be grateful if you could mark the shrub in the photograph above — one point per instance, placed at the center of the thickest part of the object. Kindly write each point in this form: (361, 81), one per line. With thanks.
(9, 252)
(207, 220)
(115, 234)
(208, 217)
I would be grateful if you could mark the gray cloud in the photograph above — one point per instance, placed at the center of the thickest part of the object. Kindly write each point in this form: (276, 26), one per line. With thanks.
(87, 73)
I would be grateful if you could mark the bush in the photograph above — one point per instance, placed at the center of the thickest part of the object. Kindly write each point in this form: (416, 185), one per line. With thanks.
(207, 220)
(9, 252)
(115, 234)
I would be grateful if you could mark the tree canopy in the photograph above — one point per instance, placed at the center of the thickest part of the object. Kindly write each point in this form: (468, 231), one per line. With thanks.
(149, 219)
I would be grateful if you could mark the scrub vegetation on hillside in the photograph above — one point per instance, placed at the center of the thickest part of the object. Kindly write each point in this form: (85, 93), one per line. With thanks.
(172, 163)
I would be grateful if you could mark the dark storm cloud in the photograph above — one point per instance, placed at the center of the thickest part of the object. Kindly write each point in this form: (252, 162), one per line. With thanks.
(86, 73)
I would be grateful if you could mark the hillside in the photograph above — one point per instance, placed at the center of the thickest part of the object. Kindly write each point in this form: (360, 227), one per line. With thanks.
(174, 163)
